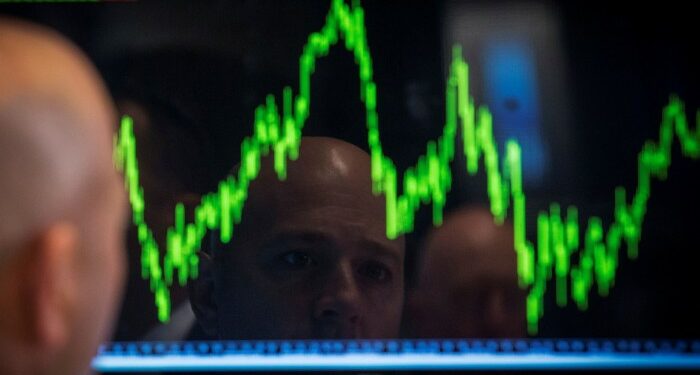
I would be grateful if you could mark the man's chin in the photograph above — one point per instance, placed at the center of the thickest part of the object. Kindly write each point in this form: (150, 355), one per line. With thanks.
(335, 332)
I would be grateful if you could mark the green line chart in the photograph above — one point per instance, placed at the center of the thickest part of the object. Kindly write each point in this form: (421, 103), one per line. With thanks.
(576, 253)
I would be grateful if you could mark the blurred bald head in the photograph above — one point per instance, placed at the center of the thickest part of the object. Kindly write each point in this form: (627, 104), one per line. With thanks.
(310, 258)
(39, 62)
(467, 280)
(61, 207)
(55, 121)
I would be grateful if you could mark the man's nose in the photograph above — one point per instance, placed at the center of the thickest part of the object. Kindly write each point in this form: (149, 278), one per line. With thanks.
(339, 301)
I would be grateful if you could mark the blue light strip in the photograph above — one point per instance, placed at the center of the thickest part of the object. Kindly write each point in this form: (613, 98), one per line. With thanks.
(402, 361)
(512, 95)
(377, 355)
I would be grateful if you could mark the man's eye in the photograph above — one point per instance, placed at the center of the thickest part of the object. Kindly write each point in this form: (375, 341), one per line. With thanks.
(297, 259)
(376, 271)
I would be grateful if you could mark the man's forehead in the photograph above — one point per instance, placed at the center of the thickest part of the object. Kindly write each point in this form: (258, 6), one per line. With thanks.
(295, 206)
(323, 164)
(315, 190)
(342, 217)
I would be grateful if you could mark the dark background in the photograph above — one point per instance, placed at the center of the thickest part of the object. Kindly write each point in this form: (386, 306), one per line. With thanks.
(209, 63)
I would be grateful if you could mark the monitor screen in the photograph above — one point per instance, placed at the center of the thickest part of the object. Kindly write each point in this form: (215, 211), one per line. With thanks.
(384, 186)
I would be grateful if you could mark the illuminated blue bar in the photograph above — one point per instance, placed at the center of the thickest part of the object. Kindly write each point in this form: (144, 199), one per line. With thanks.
(512, 95)
(378, 355)
(403, 361)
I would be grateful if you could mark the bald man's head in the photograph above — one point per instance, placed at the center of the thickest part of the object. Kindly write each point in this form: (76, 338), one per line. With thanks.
(467, 280)
(39, 62)
(61, 207)
(310, 257)
(56, 126)
(326, 169)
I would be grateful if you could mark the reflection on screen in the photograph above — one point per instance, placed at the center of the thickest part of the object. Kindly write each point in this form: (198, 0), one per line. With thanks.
(508, 178)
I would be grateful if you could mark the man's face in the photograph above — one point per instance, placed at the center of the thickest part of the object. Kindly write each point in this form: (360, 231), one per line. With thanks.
(313, 263)
(476, 296)
(468, 284)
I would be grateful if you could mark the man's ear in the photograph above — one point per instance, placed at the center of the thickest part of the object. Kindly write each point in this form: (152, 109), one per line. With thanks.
(202, 296)
(50, 285)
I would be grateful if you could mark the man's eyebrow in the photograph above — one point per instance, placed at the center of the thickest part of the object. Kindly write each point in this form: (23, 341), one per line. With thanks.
(375, 247)
(304, 235)
(382, 249)
(292, 237)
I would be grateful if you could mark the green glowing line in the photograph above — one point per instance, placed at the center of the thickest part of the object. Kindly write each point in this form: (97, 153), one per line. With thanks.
(279, 132)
